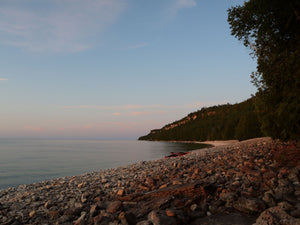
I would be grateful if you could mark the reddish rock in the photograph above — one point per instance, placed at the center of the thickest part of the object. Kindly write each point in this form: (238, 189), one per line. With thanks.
(170, 212)
(176, 182)
(163, 186)
(114, 206)
(143, 187)
(120, 192)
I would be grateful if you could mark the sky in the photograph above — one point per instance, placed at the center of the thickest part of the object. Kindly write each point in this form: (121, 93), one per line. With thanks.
(115, 69)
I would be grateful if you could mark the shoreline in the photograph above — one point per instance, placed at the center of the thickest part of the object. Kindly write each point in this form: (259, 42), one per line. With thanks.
(227, 182)
(212, 143)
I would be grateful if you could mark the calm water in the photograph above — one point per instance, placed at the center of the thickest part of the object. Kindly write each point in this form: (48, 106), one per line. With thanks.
(28, 161)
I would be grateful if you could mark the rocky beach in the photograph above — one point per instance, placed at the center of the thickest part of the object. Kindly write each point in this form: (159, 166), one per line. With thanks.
(249, 182)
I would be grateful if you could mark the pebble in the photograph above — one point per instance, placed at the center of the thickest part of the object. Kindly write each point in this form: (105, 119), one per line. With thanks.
(242, 177)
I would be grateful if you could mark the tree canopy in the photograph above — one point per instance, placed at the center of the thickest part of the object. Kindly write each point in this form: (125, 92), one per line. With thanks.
(271, 29)
(222, 122)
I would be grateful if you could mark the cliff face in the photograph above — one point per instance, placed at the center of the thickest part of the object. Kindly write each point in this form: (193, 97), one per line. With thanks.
(222, 122)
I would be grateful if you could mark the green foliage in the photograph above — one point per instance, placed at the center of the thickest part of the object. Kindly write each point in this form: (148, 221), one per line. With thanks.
(223, 122)
(271, 29)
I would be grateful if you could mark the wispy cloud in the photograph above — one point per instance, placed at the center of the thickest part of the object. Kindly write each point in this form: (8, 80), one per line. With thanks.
(181, 4)
(121, 107)
(3, 79)
(139, 113)
(56, 25)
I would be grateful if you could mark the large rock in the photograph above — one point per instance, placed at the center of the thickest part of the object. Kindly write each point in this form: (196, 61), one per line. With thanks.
(276, 216)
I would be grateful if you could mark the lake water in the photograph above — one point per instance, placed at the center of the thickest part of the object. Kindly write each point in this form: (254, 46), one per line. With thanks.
(24, 161)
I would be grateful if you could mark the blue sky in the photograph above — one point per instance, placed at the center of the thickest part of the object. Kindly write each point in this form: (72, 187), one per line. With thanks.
(115, 69)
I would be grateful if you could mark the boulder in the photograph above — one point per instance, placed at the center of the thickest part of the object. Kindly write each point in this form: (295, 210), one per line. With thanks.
(276, 216)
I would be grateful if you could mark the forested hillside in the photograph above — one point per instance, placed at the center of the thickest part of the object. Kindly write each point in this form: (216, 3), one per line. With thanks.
(222, 122)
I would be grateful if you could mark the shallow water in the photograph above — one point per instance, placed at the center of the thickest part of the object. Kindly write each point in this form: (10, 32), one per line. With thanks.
(24, 161)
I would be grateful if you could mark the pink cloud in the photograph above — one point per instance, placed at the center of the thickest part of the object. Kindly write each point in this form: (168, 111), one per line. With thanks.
(31, 128)
(139, 113)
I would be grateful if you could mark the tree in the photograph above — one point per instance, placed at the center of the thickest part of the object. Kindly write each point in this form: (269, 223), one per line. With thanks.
(271, 29)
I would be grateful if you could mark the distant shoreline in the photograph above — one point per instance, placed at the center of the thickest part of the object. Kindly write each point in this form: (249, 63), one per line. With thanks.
(212, 143)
